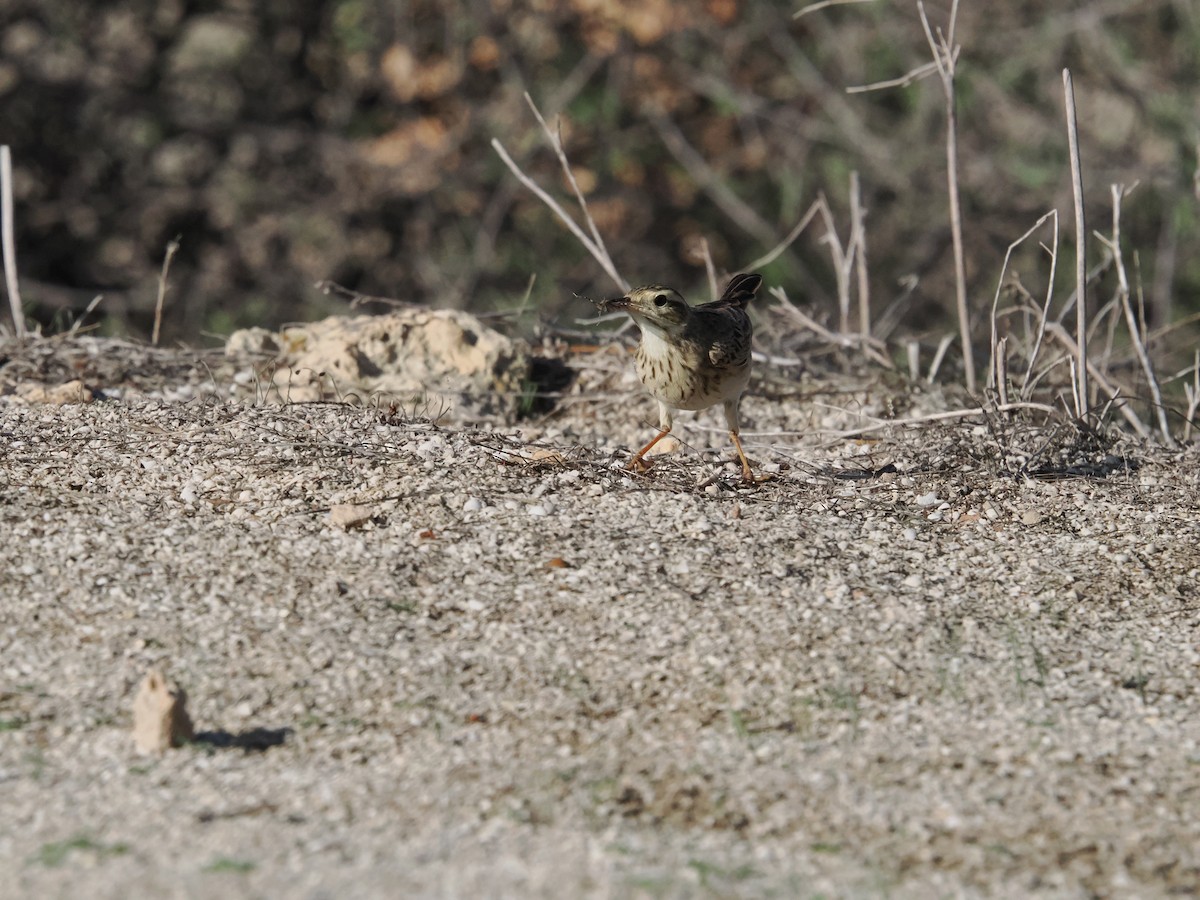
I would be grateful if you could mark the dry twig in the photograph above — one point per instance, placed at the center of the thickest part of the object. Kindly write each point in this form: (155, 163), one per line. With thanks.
(945, 55)
(8, 241)
(172, 249)
(594, 243)
(1136, 329)
(1081, 363)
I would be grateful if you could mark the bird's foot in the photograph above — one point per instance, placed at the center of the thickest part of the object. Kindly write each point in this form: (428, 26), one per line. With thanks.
(639, 464)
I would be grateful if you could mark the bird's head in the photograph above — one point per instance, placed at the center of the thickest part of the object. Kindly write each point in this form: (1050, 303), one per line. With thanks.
(654, 306)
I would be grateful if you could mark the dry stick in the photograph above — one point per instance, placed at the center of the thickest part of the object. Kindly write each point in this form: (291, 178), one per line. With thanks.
(9, 243)
(1001, 351)
(777, 251)
(598, 251)
(172, 249)
(922, 71)
(74, 329)
(936, 417)
(1081, 366)
(1136, 333)
(843, 262)
(556, 144)
(709, 268)
(873, 348)
(993, 379)
(1037, 344)
(914, 360)
(943, 346)
(945, 54)
(825, 4)
(734, 207)
(858, 237)
(1192, 391)
(1061, 335)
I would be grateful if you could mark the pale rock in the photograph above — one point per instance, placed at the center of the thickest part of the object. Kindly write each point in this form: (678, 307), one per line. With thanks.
(411, 355)
(160, 717)
(55, 395)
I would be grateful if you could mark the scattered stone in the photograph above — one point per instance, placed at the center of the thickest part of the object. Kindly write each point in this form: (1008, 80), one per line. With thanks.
(55, 395)
(160, 717)
(350, 515)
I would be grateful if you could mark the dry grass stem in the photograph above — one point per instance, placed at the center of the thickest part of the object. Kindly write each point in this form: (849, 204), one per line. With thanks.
(1060, 334)
(78, 323)
(172, 249)
(922, 71)
(1081, 364)
(940, 355)
(945, 55)
(8, 241)
(593, 244)
(1045, 311)
(1001, 364)
(775, 252)
(929, 418)
(734, 207)
(555, 140)
(709, 269)
(825, 4)
(1192, 392)
(873, 348)
(1135, 326)
(843, 264)
(992, 375)
(858, 238)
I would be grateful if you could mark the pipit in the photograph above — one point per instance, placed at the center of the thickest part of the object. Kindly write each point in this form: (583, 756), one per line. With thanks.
(692, 357)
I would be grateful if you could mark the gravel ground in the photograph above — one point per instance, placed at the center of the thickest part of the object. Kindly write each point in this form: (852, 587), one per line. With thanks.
(514, 669)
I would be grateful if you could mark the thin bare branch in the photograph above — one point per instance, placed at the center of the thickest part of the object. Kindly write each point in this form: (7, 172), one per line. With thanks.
(843, 262)
(992, 378)
(825, 4)
(1081, 366)
(709, 269)
(600, 255)
(945, 55)
(872, 348)
(1045, 312)
(940, 355)
(733, 206)
(778, 249)
(858, 239)
(555, 141)
(1136, 331)
(8, 242)
(922, 71)
(172, 249)
(1061, 335)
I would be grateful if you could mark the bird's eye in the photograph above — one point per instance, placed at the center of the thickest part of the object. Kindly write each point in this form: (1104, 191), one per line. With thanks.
(660, 301)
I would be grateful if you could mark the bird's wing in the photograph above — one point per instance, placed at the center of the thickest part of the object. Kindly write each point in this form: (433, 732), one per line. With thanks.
(730, 349)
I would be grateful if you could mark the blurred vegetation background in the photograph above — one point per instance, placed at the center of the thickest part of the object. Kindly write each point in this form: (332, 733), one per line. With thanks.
(348, 140)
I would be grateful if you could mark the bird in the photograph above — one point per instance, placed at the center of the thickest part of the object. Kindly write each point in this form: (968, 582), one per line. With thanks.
(692, 357)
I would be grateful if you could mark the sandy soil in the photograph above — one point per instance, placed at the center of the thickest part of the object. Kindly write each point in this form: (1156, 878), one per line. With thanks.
(520, 671)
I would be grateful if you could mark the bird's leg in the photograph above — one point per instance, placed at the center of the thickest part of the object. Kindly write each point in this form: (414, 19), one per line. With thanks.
(665, 420)
(731, 418)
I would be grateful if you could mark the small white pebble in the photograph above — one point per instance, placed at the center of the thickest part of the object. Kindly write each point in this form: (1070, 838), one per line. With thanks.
(473, 504)
(537, 510)
(930, 499)
(910, 534)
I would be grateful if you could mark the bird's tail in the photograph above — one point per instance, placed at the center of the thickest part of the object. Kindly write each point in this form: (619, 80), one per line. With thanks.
(740, 290)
